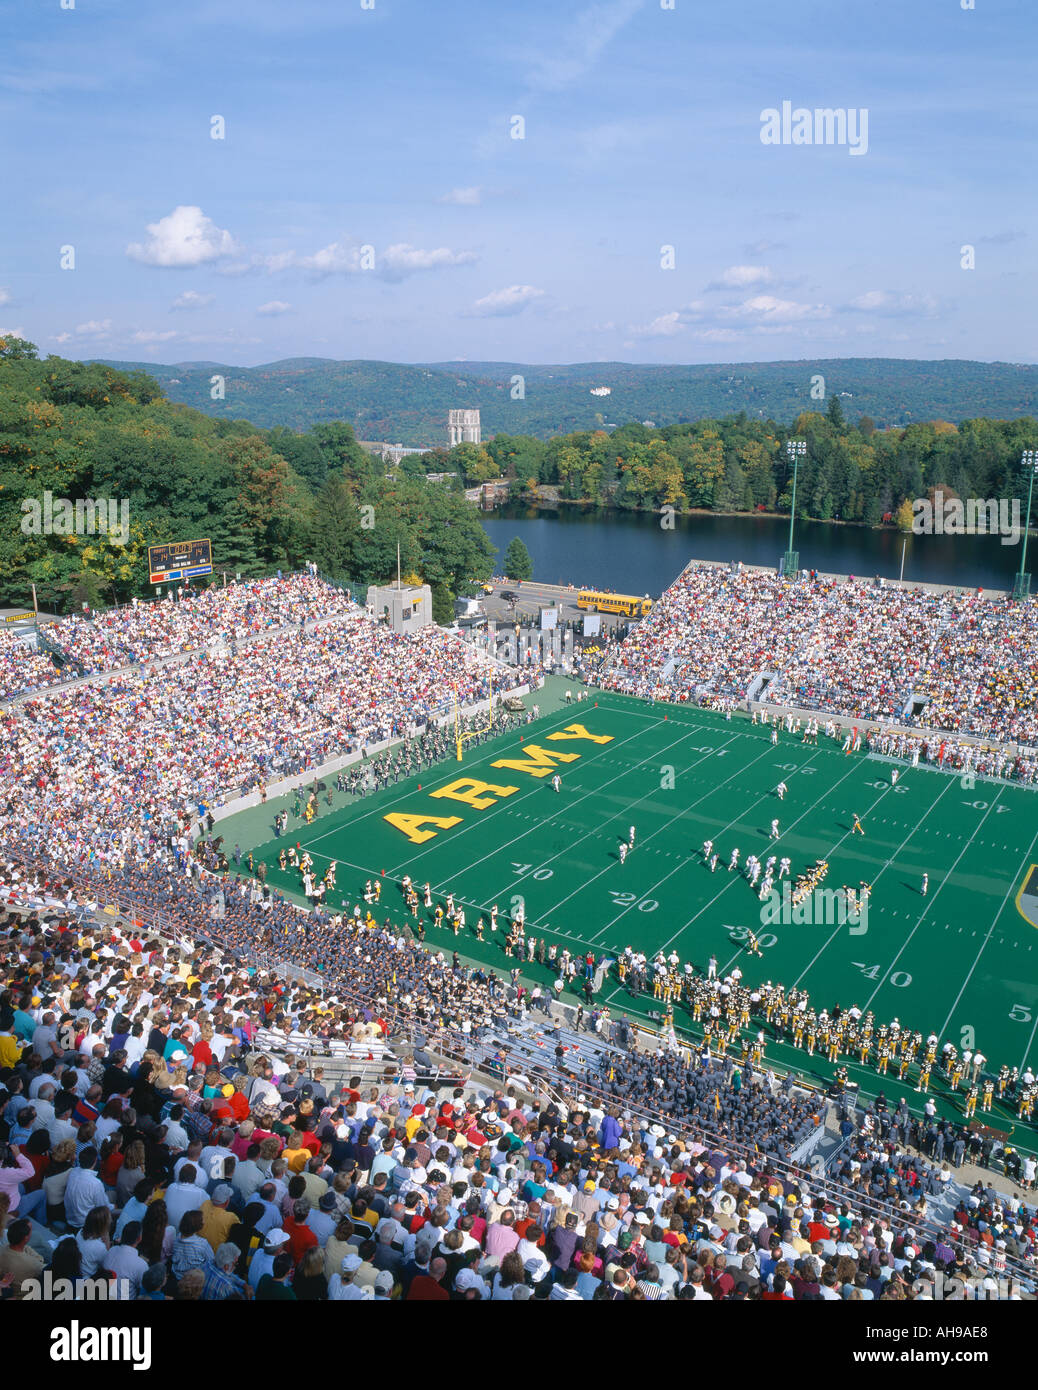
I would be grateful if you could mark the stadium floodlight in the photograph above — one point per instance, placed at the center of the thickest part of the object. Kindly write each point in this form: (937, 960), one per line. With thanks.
(795, 451)
(1022, 581)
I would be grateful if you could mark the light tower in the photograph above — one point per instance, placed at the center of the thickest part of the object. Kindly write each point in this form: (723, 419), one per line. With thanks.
(1022, 581)
(795, 451)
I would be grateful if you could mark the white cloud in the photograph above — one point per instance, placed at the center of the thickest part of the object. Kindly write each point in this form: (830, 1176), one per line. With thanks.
(766, 309)
(565, 58)
(334, 259)
(61, 337)
(716, 335)
(663, 326)
(280, 260)
(276, 306)
(500, 303)
(183, 239)
(892, 305)
(147, 335)
(14, 333)
(741, 277)
(462, 197)
(191, 299)
(397, 261)
(93, 328)
(5, 295)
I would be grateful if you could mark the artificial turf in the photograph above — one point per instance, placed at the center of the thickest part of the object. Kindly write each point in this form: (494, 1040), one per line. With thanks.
(960, 958)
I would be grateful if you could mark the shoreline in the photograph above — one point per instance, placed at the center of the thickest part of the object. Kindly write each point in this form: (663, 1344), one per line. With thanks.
(555, 504)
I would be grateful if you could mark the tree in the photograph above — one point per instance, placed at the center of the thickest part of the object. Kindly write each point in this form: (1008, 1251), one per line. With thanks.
(442, 606)
(835, 413)
(473, 463)
(517, 562)
(14, 349)
(903, 516)
(336, 529)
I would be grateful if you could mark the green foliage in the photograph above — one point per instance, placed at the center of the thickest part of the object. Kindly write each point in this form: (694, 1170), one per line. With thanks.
(408, 404)
(517, 562)
(442, 607)
(267, 500)
(277, 498)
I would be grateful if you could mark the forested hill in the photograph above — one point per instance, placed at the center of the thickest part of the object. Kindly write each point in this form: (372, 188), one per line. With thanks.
(277, 498)
(408, 404)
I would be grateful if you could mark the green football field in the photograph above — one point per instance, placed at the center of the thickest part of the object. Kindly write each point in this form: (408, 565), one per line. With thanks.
(960, 958)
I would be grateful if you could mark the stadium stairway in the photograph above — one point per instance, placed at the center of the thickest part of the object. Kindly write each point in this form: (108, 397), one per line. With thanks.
(535, 1039)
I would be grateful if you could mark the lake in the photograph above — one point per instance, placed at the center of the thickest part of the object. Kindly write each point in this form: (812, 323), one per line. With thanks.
(629, 551)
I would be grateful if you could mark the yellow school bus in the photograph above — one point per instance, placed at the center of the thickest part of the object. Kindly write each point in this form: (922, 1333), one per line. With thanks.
(595, 602)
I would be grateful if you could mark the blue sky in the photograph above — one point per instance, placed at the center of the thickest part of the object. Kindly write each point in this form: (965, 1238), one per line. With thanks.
(389, 129)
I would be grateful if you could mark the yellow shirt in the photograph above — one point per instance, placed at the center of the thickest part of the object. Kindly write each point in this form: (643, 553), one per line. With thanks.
(217, 1224)
(297, 1159)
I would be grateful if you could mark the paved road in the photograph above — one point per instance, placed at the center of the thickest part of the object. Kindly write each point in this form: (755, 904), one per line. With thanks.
(532, 596)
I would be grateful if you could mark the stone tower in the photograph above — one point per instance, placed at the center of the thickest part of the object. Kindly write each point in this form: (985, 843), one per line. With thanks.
(463, 427)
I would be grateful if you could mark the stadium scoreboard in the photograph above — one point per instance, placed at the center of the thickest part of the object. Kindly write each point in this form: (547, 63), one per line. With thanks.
(179, 560)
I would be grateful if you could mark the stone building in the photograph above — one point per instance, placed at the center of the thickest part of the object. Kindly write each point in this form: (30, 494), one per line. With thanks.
(463, 427)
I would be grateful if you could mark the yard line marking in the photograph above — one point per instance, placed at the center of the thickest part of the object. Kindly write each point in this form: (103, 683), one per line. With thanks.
(731, 881)
(825, 946)
(599, 749)
(598, 831)
(764, 796)
(976, 962)
(670, 822)
(926, 909)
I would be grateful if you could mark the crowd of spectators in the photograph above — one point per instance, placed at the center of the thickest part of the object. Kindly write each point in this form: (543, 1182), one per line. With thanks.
(847, 647)
(146, 1137)
(142, 632)
(23, 667)
(99, 761)
(149, 1130)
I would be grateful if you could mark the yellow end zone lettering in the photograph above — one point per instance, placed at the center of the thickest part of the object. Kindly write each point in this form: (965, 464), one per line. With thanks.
(578, 731)
(538, 762)
(467, 789)
(409, 825)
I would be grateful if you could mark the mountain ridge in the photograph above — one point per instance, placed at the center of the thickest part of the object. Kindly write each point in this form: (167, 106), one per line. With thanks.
(407, 403)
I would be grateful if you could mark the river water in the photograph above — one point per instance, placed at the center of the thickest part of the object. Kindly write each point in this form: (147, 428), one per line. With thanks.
(629, 552)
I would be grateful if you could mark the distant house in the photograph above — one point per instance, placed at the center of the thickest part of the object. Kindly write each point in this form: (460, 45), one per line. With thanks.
(393, 453)
(489, 494)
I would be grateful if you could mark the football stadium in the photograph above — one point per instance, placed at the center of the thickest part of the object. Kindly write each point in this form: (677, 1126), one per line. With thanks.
(518, 670)
(355, 955)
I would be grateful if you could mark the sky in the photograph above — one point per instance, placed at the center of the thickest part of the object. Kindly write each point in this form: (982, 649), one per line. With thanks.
(434, 180)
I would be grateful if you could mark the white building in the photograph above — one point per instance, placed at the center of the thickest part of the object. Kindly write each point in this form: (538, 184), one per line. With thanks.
(463, 427)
